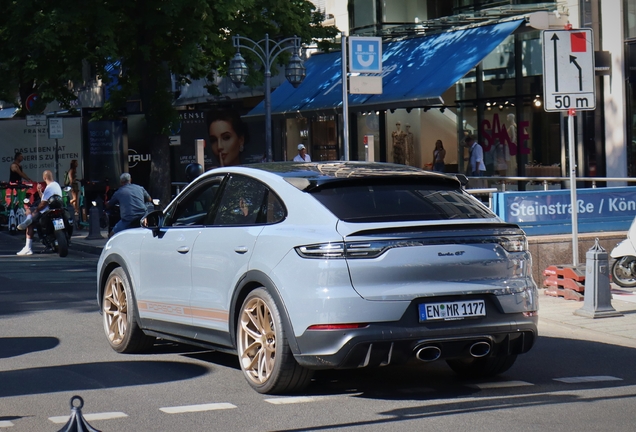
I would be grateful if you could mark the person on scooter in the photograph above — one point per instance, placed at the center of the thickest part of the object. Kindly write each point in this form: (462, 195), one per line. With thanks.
(132, 201)
(33, 216)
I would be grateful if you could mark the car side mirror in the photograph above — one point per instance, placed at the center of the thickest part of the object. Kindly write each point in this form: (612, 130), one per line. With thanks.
(153, 221)
(462, 179)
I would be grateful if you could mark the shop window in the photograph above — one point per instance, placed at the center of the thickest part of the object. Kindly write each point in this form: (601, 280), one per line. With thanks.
(324, 139)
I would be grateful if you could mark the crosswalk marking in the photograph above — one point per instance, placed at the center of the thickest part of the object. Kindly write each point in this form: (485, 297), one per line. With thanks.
(5, 424)
(197, 408)
(91, 417)
(501, 384)
(584, 379)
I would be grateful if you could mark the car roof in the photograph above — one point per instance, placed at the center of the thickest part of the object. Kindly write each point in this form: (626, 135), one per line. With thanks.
(310, 175)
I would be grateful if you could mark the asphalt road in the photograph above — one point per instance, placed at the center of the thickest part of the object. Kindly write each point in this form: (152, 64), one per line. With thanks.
(52, 347)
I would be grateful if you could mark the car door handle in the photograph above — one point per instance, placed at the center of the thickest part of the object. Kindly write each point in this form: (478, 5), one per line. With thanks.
(183, 249)
(240, 249)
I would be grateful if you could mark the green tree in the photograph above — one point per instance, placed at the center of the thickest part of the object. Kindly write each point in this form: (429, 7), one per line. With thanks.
(190, 38)
(44, 43)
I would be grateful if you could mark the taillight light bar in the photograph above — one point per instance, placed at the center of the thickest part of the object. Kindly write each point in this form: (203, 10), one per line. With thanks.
(373, 249)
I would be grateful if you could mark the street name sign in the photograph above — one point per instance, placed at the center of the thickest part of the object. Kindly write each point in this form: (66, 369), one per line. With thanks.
(365, 54)
(568, 70)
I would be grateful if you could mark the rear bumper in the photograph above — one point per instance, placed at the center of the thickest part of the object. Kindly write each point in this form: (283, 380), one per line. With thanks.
(381, 344)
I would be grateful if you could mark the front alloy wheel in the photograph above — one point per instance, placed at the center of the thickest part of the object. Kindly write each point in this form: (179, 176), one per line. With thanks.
(119, 315)
(264, 353)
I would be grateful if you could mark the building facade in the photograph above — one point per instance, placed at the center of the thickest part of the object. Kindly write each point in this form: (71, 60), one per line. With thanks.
(500, 101)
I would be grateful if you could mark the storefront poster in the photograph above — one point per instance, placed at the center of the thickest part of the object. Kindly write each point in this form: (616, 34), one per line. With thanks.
(34, 144)
(105, 149)
(139, 150)
(236, 147)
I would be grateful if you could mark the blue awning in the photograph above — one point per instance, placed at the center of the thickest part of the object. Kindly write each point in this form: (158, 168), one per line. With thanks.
(414, 70)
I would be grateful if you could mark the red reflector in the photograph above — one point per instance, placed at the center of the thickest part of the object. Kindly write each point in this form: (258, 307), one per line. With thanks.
(531, 314)
(337, 326)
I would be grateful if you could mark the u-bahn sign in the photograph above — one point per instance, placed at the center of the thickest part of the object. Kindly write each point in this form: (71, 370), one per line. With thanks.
(568, 70)
(365, 54)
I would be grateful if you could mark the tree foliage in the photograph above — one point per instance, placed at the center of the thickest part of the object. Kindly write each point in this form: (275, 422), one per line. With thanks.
(43, 44)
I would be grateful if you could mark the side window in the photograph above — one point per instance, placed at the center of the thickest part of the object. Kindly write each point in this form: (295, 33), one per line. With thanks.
(197, 207)
(273, 211)
(246, 201)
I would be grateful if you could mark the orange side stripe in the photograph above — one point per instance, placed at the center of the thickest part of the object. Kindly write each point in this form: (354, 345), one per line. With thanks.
(184, 311)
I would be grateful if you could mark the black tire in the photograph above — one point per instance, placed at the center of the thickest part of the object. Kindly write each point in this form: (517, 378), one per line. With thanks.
(263, 349)
(483, 366)
(62, 243)
(622, 274)
(119, 315)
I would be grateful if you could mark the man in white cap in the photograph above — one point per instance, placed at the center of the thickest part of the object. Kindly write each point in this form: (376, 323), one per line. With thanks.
(302, 155)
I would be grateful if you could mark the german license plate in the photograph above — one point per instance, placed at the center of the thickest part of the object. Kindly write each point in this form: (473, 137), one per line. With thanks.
(452, 310)
(58, 224)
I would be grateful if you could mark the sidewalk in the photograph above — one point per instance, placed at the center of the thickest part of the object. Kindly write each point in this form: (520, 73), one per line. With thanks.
(556, 315)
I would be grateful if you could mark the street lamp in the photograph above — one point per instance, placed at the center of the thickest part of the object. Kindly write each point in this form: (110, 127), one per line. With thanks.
(294, 71)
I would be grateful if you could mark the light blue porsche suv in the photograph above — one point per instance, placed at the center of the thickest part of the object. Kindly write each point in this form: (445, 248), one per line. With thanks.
(302, 266)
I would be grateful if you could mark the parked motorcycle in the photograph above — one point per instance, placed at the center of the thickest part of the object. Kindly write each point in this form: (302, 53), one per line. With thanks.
(624, 268)
(56, 228)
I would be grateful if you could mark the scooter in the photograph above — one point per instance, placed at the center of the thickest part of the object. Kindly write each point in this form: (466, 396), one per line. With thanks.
(624, 268)
(55, 227)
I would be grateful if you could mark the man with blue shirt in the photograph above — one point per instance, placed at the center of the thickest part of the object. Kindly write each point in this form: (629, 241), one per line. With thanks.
(132, 201)
(476, 158)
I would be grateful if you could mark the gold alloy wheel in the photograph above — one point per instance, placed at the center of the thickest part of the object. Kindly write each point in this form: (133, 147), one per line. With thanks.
(257, 341)
(115, 308)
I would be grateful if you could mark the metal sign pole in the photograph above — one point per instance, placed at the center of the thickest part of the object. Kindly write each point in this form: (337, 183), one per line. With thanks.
(569, 85)
(573, 203)
(345, 100)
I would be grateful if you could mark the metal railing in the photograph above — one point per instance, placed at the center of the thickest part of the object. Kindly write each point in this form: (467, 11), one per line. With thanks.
(502, 182)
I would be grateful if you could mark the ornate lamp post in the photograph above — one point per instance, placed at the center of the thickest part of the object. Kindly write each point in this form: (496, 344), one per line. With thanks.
(294, 71)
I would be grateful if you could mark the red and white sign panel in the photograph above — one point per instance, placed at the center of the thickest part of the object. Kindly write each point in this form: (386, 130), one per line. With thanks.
(568, 70)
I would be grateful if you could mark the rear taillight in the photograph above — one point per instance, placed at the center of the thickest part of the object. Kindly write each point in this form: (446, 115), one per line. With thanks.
(517, 243)
(343, 250)
(322, 250)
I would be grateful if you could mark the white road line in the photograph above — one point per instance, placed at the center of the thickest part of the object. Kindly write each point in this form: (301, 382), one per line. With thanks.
(197, 408)
(91, 417)
(502, 384)
(292, 400)
(585, 379)
(5, 424)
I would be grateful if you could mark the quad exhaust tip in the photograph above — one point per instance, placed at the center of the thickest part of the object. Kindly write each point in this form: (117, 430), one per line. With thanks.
(479, 349)
(428, 353)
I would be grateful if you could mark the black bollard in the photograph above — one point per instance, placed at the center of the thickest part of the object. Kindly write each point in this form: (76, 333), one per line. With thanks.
(94, 231)
(77, 423)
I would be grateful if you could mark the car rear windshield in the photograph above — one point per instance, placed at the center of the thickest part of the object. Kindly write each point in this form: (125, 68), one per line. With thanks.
(399, 202)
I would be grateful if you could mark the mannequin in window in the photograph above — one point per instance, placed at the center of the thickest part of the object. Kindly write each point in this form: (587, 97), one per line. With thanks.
(399, 144)
(501, 158)
(409, 158)
(512, 129)
(512, 134)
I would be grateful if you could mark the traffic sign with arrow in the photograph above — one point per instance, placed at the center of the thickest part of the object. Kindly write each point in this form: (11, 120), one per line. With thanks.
(568, 70)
